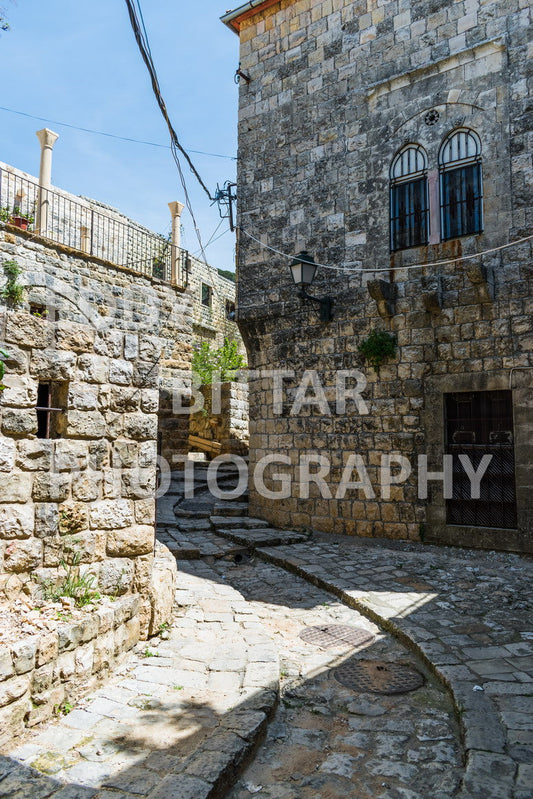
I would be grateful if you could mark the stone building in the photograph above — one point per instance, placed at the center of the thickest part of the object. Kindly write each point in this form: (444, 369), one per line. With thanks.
(96, 341)
(390, 141)
(213, 304)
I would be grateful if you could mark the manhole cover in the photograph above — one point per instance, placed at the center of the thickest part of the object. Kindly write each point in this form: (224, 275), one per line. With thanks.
(335, 635)
(378, 677)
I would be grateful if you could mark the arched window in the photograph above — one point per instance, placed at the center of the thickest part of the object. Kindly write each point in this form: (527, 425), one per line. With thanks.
(461, 184)
(408, 198)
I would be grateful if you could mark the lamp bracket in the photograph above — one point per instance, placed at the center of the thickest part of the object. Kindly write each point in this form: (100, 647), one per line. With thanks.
(325, 303)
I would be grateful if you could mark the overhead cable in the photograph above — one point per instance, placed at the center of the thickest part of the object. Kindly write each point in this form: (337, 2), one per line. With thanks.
(144, 48)
(346, 267)
(175, 146)
(110, 135)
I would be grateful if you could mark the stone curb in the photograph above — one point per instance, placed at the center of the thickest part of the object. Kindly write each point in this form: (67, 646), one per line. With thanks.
(489, 774)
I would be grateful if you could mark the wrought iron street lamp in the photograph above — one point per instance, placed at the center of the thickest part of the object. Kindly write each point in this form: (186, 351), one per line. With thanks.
(303, 270)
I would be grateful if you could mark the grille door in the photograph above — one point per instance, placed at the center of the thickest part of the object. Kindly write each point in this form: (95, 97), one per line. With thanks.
(481, 423)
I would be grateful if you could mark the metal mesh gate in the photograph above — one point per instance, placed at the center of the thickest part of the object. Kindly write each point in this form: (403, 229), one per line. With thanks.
(481, 423)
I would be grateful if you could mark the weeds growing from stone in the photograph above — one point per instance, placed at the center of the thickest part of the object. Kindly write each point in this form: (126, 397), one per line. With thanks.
(81, 589)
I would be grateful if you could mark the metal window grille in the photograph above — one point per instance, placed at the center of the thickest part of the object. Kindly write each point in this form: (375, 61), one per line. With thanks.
(409, 208)
(481, 423)
(461, 185)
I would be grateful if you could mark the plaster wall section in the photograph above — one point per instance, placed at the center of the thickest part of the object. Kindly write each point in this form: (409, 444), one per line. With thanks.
(336, 89)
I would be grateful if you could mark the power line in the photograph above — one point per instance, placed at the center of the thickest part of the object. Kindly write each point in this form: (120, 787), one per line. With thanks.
(110, 135)
(344, 267)
(213, 238)
(175, 146)
(144, 49)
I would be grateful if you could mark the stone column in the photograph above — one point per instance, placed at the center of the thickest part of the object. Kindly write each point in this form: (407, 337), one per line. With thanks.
(47, 139)
(175, 211)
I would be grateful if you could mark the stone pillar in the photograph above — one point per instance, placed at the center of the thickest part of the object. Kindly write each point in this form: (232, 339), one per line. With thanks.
(175, 211)
(85, 236)
(47, 139)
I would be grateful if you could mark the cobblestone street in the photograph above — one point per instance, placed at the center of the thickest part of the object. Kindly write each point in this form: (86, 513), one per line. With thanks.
(327, 740)
(187, 715)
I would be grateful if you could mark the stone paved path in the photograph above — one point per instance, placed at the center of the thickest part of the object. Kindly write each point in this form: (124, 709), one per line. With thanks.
(327, 741)
(177, 722)
(181, 724)
(469, 614)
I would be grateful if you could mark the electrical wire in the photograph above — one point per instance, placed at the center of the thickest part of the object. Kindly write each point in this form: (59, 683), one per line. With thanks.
(344, 267)
(110, 135)
(211, 238)
(175, 146)
(144, 48)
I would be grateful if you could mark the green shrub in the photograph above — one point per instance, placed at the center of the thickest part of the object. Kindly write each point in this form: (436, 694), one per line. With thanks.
(377, 347)
(13, 291)
(3, 356)
(81, 589)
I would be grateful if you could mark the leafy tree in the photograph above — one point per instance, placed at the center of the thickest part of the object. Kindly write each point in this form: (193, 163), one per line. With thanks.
(217, 364)
(227, 274)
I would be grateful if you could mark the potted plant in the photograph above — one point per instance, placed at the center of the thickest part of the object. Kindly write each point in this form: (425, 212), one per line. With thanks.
(19, 219)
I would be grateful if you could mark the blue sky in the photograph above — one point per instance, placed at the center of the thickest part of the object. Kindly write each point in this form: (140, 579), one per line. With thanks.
(78, 63)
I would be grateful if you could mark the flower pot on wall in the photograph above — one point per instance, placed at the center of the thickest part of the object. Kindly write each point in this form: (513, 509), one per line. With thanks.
(20, 221)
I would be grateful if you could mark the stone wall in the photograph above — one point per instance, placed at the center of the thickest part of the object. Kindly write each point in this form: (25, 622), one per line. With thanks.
(337, 88)
(223, 419)
(40, 674)
(211, 322)
(108, 343)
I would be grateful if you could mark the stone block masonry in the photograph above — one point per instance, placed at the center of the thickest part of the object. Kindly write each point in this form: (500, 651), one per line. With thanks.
(78, 476)
(336, 90)
(223, 418)
(42, 674)
(213, 297)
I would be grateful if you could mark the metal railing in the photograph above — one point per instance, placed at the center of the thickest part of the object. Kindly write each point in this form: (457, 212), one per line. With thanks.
(78, 224)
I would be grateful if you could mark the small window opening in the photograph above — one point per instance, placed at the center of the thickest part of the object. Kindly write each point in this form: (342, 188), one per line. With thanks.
(230, 310)
(44, 312)
(38, 310)
(51, 409)
(207, 293)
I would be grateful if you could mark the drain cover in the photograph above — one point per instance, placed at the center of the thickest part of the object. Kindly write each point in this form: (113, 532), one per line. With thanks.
(336, 635)
(378, 677)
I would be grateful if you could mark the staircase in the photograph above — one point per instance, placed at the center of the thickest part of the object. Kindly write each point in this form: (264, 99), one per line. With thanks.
(204, 526)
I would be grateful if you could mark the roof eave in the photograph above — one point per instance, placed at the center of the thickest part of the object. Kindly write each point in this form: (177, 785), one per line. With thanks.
(233, 18)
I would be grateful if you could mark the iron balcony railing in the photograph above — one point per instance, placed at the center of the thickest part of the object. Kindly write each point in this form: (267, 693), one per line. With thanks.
(80, 225)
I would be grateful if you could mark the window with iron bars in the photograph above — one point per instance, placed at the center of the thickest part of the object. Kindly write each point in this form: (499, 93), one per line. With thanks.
(409, 211)
(51, 409)
(461, 185)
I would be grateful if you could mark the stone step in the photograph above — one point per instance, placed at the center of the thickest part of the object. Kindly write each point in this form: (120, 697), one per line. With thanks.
(236, 522)
(188, 525)
(230, 508)
(183, 552)
(267, 537)
(183, 513)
